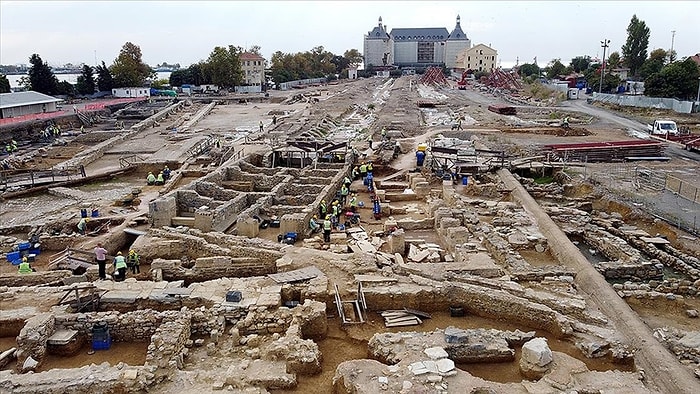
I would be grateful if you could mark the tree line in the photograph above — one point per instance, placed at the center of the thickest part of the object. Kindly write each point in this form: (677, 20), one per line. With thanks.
(662, 73)
(222, 68)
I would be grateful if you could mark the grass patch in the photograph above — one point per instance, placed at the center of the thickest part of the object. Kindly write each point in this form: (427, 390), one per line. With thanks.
(544, 180)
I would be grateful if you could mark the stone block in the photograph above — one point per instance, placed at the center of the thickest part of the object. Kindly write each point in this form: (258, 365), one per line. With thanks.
(537, 352)
(435, 353)
(248, 227)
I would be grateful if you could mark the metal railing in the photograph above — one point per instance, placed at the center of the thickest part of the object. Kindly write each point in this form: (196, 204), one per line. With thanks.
(31, 178)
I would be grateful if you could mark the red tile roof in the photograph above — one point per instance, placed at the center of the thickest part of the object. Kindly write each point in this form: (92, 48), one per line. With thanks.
(696, 58)
(250, 56)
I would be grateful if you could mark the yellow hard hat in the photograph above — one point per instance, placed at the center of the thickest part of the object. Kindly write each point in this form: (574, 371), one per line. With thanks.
(132, 251)
(24, 259)
(119, 253)
(328, 217)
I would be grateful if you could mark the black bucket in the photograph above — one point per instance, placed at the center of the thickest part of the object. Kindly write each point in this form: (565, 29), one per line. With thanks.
(456, 311)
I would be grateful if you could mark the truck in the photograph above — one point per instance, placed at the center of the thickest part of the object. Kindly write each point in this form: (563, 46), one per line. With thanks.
(663, 127)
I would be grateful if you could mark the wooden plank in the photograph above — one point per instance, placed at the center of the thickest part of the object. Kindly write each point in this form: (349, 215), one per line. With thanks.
(418, 313)
(374, 278)
(296, 275)
(655, 240)
(402, 324)
(400, 319)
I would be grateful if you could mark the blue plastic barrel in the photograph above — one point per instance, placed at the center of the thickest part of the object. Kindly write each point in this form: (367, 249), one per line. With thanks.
(465, 180)
(83, 213)
(95, 213)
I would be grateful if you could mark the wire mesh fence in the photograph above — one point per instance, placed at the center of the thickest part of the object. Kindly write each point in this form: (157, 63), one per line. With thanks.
(655, 191)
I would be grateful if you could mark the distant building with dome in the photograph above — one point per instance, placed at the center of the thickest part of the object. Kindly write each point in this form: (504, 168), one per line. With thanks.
(415, 47)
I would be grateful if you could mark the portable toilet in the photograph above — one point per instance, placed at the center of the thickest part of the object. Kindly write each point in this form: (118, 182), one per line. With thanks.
(572, 94)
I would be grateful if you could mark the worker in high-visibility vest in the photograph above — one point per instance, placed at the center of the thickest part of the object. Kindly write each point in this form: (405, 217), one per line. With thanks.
(151, 179)
(353, 203)
(82, 225)
(323, 208)
(24, 267)
(363, 171)
(132, 261)
(160, 180)
(119, 267)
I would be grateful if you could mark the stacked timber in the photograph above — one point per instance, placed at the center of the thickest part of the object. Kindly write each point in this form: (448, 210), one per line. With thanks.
(403, 317)
(613, 151)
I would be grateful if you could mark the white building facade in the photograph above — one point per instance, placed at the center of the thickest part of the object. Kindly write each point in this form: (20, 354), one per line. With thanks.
(456, 43)
(131, 92)
(414, 47)
(378, 47)
(478, 58)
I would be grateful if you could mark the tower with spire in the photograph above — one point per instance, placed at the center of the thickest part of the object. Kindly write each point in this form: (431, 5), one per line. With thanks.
(455, 44)
(378, 48)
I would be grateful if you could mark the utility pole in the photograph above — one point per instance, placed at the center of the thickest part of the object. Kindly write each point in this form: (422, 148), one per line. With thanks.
(673, 37)
(604, 45)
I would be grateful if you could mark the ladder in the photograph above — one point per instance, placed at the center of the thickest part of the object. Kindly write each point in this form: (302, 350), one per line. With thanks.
(357, 307)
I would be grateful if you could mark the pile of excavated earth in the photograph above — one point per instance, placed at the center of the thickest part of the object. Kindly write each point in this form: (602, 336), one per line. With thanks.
(487, 269)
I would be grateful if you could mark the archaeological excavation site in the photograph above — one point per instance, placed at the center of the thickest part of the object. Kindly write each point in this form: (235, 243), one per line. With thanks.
(393, 235)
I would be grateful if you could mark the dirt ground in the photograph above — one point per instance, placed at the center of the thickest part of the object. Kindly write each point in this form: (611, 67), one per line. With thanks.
(395, 107)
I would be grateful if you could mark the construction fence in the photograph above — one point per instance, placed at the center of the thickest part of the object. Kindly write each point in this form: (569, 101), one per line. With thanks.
(684, 107)
(657, 192)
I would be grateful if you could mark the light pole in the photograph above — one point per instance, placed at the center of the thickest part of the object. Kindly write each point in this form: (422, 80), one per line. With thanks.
(698, 99)
(603, 44)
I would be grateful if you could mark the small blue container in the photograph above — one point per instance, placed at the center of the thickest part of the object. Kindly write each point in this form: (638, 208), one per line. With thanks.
(465, 180)
(101, 344)
(13, 256)
(95, 213)
(24, 246)
(83, 213)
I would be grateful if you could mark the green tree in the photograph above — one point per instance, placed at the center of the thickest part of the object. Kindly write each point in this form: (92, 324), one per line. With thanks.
(613, 60)
(527, 69)
(128, 70)
(65, 88)
(580, 63)
(86, 81)
(678, 80)
(105, 82)
(303, 65)
(160, 83)
(592, 76)
(654, 64)
(255, 49)
(556, 68)
(635, 48)
(41, 77)
(4, 84)
(223, 66)
(192, 75)
(354, 56)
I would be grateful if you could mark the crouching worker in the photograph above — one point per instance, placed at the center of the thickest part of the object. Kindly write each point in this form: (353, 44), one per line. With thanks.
(24, 267)
(160, 180)
(82, 225)
(313, 225)
(151, 179)
(119, 267)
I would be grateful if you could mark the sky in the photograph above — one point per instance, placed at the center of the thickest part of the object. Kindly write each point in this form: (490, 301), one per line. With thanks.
(185, 32)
